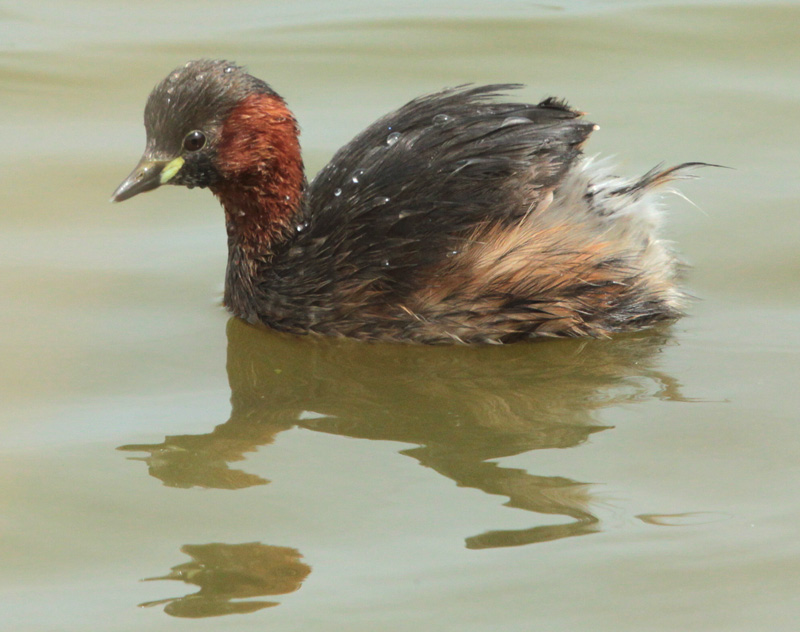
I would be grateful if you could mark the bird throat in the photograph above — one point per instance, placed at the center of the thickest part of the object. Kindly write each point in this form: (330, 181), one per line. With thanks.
(261, 188)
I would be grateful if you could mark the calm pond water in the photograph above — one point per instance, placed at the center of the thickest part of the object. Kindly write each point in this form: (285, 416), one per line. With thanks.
(165, 468)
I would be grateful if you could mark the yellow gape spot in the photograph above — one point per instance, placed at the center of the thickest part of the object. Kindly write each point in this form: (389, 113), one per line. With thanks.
(170, 169)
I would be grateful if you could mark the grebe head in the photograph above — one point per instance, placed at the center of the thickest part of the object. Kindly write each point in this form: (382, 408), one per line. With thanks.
(184, 119)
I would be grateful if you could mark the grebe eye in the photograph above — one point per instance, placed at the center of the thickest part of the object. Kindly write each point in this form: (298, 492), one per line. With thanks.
(194, 141)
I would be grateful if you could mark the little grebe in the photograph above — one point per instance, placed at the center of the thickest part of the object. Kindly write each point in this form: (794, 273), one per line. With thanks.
(456, 218)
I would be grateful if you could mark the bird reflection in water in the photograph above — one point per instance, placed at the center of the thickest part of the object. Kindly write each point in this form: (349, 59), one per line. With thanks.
(229, 572)
(460, 406)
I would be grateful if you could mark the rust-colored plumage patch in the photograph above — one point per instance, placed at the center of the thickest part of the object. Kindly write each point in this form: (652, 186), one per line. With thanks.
(545, 280)
(259, 158)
